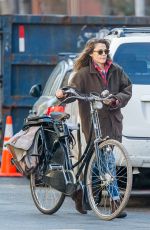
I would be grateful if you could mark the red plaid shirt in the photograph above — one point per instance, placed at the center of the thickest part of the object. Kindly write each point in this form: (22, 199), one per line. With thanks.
(103, 73)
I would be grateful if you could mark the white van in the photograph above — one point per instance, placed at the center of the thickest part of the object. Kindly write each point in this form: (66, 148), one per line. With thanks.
(130, 48)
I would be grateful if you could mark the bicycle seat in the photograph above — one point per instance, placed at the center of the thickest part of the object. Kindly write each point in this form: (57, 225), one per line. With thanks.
(59, 116)
(36, 120)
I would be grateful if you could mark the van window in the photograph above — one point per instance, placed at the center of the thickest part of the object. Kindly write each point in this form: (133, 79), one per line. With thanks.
(54, 80)
(135, 60)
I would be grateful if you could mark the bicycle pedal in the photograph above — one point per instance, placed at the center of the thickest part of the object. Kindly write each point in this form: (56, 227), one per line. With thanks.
(55, 167)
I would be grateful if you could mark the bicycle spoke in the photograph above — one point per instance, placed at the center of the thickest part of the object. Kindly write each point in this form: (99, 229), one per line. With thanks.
(109, 178)
(47, 199)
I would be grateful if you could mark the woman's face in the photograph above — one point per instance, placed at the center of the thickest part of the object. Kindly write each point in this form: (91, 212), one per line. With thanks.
(100, 53)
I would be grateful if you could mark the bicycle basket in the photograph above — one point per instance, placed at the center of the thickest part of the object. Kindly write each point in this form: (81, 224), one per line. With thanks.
(23, 149)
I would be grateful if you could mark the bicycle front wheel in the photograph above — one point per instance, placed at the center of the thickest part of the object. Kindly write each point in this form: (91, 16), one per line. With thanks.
(108, 179)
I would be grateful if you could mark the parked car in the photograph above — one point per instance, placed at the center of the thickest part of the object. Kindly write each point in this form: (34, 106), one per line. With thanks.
(130, 48)
(47, 101)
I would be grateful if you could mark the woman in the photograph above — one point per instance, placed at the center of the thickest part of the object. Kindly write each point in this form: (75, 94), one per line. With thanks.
(96, 72)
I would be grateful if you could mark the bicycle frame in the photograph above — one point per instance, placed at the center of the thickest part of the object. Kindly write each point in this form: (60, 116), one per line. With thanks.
(96, 142)
(63, 138)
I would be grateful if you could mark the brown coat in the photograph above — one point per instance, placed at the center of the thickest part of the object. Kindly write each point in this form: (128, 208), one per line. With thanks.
(87, 80)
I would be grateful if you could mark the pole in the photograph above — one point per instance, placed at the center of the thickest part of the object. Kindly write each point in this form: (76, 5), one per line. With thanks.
(139, 7)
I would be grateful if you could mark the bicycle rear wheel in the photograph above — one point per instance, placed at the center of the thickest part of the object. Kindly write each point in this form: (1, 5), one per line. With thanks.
(108, 179)
(47, 199)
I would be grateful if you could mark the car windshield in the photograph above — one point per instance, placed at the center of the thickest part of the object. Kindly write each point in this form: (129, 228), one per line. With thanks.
(55, 79)
(135, 60)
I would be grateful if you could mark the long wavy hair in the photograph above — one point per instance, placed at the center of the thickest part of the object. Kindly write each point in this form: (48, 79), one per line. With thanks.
(84, 58)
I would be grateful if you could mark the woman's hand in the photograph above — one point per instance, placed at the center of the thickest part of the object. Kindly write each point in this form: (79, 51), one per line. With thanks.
(60, 94)
(107, 101)
(111, 102)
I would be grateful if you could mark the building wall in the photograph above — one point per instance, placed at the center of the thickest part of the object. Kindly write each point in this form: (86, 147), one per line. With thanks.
(82, 8)
(74, 7)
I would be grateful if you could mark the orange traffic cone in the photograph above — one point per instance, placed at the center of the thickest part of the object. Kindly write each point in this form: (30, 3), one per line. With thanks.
(7, 168)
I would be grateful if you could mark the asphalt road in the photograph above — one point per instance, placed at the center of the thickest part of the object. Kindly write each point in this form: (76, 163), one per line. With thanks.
(19, 213)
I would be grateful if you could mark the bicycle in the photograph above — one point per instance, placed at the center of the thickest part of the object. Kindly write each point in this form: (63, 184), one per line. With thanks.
(105, 165)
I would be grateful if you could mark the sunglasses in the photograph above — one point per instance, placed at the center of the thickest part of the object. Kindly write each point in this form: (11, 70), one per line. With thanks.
(100, 52)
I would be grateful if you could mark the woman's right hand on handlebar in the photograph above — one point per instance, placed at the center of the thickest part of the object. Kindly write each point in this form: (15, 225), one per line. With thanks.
(65, 95)
(60, 94)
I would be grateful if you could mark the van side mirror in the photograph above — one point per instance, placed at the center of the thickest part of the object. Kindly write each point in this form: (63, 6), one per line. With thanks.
(36, 90)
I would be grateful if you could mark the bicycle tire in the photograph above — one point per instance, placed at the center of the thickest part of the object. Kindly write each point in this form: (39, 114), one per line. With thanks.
(100, 196)
(46, 208)
(47, 199)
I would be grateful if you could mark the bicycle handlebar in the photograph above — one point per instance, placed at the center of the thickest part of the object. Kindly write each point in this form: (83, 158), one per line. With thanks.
(76, 95)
